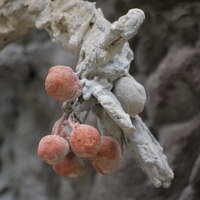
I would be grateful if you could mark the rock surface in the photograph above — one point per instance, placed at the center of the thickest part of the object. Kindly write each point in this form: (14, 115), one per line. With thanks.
(167, 60)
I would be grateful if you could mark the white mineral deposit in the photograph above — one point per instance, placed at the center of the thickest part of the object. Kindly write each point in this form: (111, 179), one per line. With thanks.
(109, 91)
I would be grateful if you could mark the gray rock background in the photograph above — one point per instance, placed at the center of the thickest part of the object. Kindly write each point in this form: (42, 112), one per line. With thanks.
(167, 63)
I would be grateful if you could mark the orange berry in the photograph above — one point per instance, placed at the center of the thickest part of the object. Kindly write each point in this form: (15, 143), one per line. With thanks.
(85, 140)
(62, 84)
(70, 167)
(52, 149)
(108, 158)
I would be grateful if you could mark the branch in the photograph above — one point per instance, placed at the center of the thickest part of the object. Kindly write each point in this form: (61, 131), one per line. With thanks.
(104, 61)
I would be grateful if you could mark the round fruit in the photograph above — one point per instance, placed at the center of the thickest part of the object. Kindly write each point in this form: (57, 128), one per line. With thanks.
(108, 158)
(70, 167)
(130, 94)
(85, 140)
(52, 149)
(62, 84)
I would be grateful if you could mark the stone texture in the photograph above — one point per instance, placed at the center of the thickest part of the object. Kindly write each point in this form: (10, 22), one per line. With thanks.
(166, 62)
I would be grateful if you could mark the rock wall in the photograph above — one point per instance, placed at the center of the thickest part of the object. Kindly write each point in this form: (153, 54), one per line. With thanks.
(167, 63)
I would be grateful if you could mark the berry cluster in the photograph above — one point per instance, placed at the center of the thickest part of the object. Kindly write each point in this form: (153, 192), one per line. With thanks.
(72, 141)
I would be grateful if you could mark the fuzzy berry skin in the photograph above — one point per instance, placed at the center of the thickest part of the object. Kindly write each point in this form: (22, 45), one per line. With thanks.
(107, 160)
(52, 149)
(70, 167)
(85, 140)
(62, 84)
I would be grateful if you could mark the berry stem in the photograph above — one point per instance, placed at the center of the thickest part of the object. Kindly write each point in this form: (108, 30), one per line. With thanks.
(73, 119)
(58, 125)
